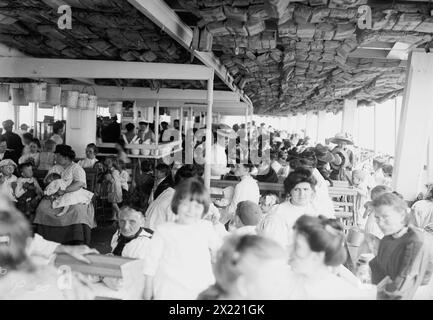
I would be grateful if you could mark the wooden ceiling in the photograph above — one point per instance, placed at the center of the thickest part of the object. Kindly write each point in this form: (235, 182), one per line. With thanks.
(288, 56)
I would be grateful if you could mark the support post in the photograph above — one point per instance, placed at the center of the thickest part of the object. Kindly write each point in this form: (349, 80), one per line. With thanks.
(348, 122)
(35, 120)
(416, 114)
(208, 132)
(157, 124)
(375, 128)
(246, 124)
(309, 125)
(321, 126)
(180, 125)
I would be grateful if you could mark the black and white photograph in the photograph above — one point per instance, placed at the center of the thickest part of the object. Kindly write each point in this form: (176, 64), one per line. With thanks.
(195, 151)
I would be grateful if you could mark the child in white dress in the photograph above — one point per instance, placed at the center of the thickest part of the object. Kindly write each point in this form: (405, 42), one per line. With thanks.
(56, 184)
(359, 183)
(178, 262)
(118, 178)
(7, 178)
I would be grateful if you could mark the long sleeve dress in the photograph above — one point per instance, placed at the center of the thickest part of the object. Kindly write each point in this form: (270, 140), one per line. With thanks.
(406, 261)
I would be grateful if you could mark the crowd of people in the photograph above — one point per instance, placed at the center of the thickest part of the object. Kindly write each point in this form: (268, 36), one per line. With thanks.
(249, 244)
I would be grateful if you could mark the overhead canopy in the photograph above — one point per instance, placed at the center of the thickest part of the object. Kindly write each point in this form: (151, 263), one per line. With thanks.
(287, 56)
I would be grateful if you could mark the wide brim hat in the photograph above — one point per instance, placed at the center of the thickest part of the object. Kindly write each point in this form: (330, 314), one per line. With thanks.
(8, 122)
(323, 154)
(7, 162)
(341, 137)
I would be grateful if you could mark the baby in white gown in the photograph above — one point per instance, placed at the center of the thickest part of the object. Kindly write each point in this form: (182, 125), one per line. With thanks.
(55, 184)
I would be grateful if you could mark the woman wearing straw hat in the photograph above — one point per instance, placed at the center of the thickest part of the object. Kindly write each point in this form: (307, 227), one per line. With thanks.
(343, 157)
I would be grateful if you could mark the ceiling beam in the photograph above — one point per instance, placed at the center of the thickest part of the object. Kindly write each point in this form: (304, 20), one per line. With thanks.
(167, 19)
(18, 67)
(137, 93)
(369, 53)
(6, 51)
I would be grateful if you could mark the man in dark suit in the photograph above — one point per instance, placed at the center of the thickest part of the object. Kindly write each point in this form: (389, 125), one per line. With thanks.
(163, 180)
(4, 152)
(13, 140)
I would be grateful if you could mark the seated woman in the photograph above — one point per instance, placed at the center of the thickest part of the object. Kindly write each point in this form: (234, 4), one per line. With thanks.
(249, 267)
(75, 226)
(24, 279)
(403, 265)
(318, 248)
(278, 223)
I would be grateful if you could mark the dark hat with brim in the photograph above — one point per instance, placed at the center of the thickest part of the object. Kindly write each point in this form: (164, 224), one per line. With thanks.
(323, 154)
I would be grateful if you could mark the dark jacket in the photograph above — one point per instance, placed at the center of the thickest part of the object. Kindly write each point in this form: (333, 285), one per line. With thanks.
(270, 177)
(166, 183)
(10, 155)
(14, 143)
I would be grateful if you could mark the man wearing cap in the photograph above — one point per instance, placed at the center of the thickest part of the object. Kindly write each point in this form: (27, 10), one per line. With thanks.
(13, 140)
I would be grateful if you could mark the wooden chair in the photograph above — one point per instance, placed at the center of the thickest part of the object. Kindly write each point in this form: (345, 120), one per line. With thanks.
(341, 193)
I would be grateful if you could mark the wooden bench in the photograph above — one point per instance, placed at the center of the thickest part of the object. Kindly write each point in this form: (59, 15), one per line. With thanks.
(342, 195)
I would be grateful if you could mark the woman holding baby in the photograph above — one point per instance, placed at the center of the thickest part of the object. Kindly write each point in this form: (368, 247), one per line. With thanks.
(73, 226)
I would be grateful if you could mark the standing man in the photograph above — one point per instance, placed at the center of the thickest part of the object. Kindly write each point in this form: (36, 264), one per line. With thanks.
(13, 140)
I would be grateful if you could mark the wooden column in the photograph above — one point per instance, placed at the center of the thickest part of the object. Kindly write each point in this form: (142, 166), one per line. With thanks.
(415, 125)
(35, 119)
(321, 125)
(157, 124)
(309, 125)
(208, 155)
(348, 122)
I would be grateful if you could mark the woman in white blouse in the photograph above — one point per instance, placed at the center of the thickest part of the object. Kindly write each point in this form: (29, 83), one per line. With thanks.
(318, 251)
(278, 224)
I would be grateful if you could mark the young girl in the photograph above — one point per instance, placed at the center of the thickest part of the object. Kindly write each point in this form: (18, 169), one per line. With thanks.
(47, 159)
(33, 154)
(28, 192)
(178, 263)
(7, 178)
(90, 160)
(249, 267)
(117, 177)
(55, 189)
